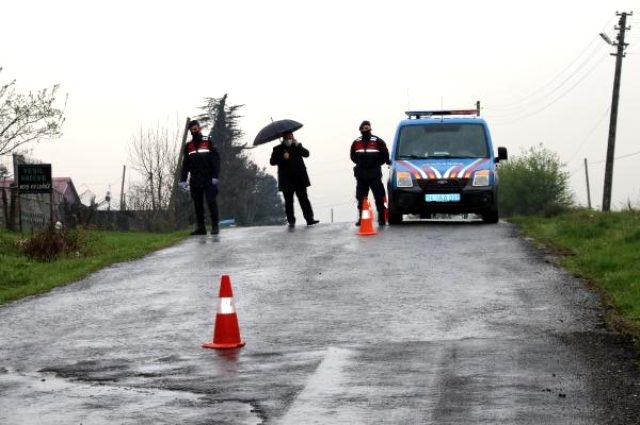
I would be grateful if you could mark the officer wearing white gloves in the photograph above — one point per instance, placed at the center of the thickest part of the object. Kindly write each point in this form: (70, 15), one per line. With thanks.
(201, 162)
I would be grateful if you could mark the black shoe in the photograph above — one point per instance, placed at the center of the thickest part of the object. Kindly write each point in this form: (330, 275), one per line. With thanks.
(381, 223)
(215, 230)
(312, 222)
(201, 231)
(292, 225)
(358, 223)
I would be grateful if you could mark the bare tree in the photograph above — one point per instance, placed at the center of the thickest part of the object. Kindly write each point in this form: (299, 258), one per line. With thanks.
(26, 118)
(139, 199)
(154, 155)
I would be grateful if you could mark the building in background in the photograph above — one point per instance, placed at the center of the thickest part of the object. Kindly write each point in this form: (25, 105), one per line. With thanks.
(35, 209)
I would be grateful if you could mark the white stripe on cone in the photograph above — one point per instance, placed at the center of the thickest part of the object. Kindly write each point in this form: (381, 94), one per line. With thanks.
(225, 306)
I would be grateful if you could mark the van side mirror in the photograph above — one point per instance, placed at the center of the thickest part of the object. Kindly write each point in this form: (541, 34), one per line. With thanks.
(502, 154)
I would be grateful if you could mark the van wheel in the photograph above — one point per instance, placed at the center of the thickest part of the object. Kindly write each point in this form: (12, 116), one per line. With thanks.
(491, 216)
(395, 218)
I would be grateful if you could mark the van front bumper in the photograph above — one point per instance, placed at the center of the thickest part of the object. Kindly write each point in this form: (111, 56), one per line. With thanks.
(413, 201)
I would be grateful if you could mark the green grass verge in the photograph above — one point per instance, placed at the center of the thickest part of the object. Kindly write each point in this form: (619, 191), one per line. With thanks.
(21, 276)
(602, 248)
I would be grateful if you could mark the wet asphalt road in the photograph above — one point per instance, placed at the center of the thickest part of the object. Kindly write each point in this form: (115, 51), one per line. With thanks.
(424, 323)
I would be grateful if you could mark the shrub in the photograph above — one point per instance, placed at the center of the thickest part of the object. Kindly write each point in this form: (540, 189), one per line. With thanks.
(50, 244)
(534, 183)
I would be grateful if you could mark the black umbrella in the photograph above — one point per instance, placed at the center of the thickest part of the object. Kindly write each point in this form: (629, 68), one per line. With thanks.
(275, 130)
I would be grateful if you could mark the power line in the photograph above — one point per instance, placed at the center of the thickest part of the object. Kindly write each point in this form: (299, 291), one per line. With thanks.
(540, 91)
(540, 94)
(628, 155)
(567, 91)
(593, 129)
(578, 168)
(618, 157)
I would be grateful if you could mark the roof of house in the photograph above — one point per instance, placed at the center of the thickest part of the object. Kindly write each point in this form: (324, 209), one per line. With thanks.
(62, 184)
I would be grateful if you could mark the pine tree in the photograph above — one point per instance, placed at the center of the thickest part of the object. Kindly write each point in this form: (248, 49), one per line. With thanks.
(247, 194)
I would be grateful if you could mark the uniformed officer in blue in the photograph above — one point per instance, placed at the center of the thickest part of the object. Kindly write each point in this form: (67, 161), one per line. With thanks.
(369, 153)
(201, 162)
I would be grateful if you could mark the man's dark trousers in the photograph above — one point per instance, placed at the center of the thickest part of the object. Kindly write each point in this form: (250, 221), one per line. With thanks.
(303, 199)
(377, 188)
(198, 194)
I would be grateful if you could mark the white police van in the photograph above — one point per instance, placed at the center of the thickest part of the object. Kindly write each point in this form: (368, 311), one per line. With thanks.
(443, 162)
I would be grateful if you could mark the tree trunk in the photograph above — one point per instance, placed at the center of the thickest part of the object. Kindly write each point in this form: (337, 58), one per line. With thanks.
(5, 209)
(11, 224)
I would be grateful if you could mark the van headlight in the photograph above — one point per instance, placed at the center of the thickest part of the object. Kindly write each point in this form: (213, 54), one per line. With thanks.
(481, 178)
(403, 179)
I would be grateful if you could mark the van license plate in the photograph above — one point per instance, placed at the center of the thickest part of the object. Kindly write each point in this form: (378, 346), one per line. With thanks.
(442, 197)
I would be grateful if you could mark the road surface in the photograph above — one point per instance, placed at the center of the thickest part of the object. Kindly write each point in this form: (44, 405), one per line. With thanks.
(423, 323)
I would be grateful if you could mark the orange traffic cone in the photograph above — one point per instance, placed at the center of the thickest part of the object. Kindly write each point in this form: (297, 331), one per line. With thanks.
(226, 332)
(366, 220)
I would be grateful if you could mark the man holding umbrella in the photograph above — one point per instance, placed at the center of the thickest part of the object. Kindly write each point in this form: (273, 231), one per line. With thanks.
(293, 177)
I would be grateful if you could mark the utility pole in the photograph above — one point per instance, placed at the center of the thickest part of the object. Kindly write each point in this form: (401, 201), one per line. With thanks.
(608, 172)
(176, 174)
(586, 173)
(123, 206)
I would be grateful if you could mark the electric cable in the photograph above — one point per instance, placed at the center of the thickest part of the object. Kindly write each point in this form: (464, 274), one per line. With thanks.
(628, 155)
(567, 91)
(593, 129)
(540, 93)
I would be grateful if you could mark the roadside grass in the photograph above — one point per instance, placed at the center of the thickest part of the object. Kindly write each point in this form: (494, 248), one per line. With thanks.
(604, 249)
(21, 276)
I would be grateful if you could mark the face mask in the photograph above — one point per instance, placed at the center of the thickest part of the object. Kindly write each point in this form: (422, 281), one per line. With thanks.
(287, 142)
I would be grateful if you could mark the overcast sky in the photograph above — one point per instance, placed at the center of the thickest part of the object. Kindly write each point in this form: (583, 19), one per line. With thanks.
(539, 69)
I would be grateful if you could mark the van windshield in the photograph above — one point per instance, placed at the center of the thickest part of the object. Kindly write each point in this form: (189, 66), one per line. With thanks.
(442, 141)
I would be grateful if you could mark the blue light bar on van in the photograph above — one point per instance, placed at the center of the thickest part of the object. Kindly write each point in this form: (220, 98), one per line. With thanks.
(420, 114)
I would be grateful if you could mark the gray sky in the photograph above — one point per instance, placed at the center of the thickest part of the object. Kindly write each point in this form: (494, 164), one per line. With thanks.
(540, 70)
